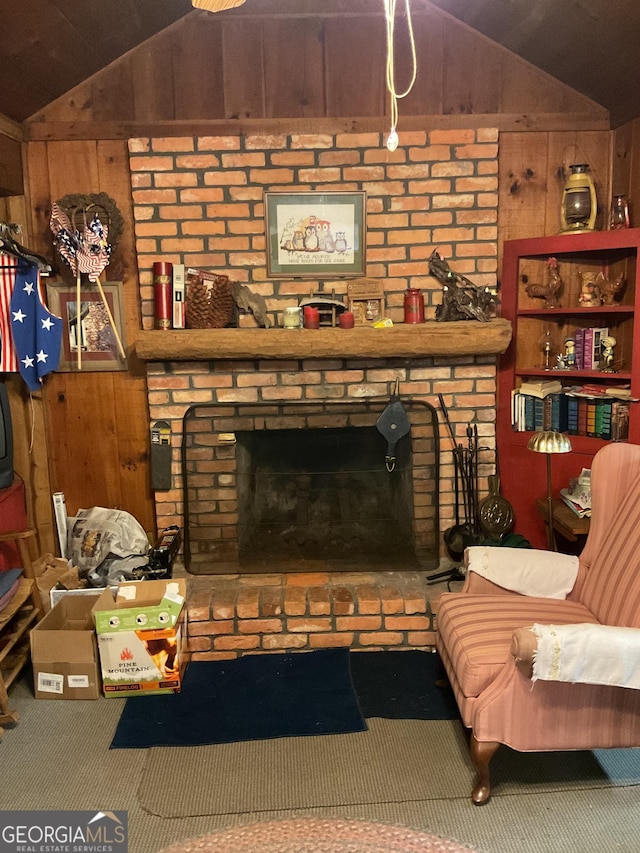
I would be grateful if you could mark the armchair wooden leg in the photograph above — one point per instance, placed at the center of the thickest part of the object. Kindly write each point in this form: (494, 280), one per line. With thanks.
(481, 755)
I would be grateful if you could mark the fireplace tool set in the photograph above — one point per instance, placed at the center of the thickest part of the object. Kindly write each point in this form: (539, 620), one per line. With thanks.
(466, 530)
(492, 517)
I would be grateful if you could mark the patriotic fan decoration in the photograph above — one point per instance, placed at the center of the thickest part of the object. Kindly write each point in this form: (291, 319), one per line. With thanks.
(86, 250)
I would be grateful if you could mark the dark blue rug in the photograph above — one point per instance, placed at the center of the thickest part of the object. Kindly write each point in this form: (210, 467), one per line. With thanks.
(403, 685)
(249, 698)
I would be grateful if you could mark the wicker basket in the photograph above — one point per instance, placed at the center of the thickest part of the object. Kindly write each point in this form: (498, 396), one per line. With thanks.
(209, 303)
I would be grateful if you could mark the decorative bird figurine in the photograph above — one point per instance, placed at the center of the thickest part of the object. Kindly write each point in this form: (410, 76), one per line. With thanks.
(609, 289)
(550, 289)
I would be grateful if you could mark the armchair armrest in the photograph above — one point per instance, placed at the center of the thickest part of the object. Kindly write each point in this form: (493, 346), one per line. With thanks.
(477, 585)
(545, 574)
(587, 653)
(524, 645)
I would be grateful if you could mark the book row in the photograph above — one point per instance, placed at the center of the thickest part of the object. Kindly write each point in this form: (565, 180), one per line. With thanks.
(597, 417)
(588, 350)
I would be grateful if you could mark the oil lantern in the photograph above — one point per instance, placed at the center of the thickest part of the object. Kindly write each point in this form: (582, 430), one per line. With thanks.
(579, 203)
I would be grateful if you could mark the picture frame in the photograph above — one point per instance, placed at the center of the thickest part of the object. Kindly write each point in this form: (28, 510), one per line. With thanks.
(315, 234)
(100, 348)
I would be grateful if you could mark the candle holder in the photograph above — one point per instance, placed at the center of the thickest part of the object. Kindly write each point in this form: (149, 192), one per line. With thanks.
(547, 346)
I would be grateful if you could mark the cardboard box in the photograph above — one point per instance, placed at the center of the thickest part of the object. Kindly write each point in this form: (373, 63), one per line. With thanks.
(64, 654)
(140, 633)
(54, 573)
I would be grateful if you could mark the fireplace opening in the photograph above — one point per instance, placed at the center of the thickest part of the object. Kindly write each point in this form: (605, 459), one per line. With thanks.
(289, 487)
(324, 495)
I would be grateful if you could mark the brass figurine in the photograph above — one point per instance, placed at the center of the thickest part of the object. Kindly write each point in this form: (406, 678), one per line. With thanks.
(551, 288)
(609, 289)
(590, 289)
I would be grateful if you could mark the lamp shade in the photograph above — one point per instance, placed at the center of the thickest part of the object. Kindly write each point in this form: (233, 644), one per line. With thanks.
(216, 5)
(549, 441)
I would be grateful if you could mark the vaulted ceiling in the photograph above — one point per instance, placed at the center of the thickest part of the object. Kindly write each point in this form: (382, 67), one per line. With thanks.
(49, 46)
(591, 45)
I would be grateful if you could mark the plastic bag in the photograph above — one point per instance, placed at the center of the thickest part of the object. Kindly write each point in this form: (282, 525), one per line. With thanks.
(107, 544)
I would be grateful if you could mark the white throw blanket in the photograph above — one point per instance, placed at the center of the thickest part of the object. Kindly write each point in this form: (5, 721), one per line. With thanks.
(546, 574)
(591, 654)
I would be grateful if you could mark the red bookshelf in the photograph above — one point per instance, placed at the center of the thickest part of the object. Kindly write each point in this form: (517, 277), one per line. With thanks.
(523, 473)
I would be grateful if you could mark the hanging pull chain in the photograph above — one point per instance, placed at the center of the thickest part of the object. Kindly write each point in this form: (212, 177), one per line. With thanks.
(390, 12)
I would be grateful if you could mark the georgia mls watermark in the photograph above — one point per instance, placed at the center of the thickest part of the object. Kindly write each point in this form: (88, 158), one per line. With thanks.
(63, 832)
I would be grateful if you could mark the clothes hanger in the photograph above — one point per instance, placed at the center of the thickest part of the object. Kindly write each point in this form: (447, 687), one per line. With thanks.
(11, 247)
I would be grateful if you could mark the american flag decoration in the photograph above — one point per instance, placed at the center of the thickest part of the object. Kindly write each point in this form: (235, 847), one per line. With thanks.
(95, 251)
(86, 251)
(37, 334)
(66, 238)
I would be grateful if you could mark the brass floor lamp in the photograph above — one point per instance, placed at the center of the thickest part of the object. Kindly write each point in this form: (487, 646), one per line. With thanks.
(550, 442)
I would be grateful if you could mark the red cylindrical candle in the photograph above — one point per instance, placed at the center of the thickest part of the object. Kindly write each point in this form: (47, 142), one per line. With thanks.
(413, 305)
(346, 320)
(163, 294)
(311, 317)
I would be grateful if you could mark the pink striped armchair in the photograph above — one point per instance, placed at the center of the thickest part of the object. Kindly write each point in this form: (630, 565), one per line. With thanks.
(490, 652)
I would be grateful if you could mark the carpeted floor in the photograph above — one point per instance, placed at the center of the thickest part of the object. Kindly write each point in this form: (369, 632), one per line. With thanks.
(314, 835)
(419, 760)
(58, 757)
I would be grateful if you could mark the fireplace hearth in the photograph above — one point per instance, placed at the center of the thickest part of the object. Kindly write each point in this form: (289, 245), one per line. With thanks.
(292, 487)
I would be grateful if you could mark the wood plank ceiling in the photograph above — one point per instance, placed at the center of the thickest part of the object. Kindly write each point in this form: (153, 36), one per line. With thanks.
(49, 46)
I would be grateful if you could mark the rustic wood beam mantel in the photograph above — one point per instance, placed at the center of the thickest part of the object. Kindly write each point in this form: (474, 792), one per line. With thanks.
(402, 341)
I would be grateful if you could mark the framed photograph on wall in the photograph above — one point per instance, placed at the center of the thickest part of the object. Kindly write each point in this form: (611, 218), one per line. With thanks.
(315, 234)
(99, 347)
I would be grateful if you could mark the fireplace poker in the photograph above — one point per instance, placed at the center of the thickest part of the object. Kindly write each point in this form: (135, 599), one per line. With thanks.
(457, 537)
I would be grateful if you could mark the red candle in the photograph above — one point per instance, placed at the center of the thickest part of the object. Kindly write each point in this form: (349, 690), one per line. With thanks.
(346, 320)
(163, 294)
(311, 317)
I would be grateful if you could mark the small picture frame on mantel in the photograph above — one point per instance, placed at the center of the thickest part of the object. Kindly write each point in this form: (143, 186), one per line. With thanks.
(365, 299)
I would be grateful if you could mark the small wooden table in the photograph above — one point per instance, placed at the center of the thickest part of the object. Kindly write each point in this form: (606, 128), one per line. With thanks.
(570, 526)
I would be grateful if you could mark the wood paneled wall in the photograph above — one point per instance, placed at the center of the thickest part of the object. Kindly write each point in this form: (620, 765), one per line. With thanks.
(626, 166)
(96, 424)
(312, 59)
(301, 65)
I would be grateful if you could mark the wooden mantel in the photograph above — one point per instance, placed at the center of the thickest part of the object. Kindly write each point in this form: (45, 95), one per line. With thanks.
(402, 341)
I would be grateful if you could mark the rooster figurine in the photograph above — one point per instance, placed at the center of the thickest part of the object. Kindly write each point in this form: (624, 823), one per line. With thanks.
(550, 290)
(609, 289)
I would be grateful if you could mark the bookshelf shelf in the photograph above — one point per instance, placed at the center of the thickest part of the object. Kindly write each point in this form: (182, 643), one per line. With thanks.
(574, 376)
(569, 312)
(612, 253)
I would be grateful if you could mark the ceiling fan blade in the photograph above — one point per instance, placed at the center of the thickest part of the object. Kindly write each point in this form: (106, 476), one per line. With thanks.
(216, 5)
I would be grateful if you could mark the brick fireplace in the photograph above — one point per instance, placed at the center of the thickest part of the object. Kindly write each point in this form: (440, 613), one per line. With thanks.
(199, 201)
(297, 486)
(467, 383)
